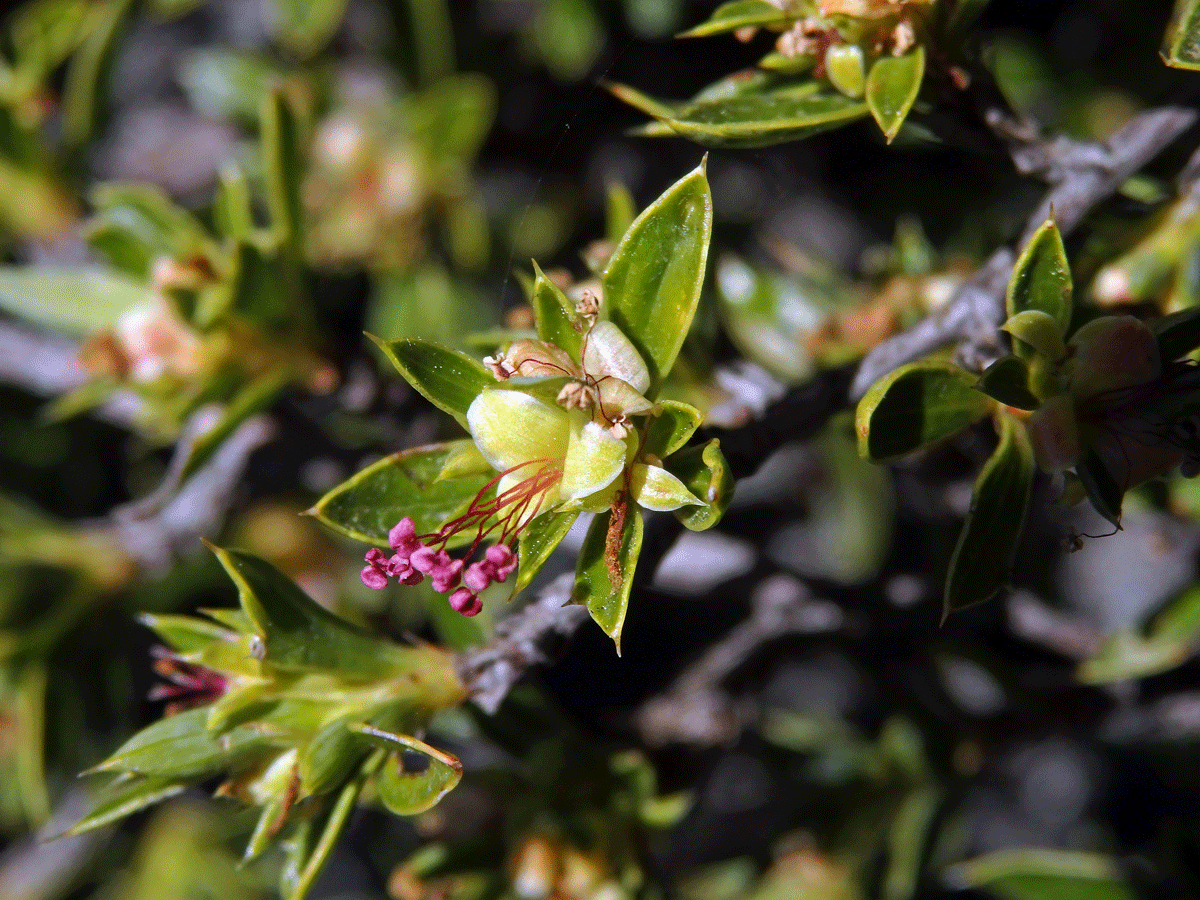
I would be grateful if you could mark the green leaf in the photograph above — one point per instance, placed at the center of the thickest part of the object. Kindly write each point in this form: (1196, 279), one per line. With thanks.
(776, 319)
(1043, 874)
(305, 26)
(283, 168)
(136, 224)
(298, 632)
(407, 793)
(604, 574)
(232, 205)
(907, 839)
(313, 841)
(1038, 332)
(1007, 380)
(762, 112)
(227, 84)
(1178, 334)
(619, 212)
(329, 758)
(77, 302)
(1170, 640)
(184, 634)
(892, 87)
(369, 504)
(125, 797)
(916, 405)
(706, 474)
(740, 14)
(538, 540)
(259, 289)
(653, 281)
(988, 543)
(1102, 488)
(87, 76)
(555, 315)
(448, 379)
(181, 747)
(1181, 43)
(1041, 278)
(673, 427)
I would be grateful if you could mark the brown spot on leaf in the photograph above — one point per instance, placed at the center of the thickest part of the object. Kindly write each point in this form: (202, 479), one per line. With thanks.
(612, 540)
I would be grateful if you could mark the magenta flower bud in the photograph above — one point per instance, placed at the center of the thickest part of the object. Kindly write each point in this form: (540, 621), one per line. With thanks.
(375, 573)
(408, 575)
(373, 578)
(402, 537)
(502, 560)
(466, 602)
(424, 560)
(447, 573)
(476, 577)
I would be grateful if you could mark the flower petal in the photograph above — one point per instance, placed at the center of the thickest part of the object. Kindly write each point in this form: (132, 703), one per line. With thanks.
(655, 488)
(619, 398)
(594, 459)
(609, 352)
(511, 428)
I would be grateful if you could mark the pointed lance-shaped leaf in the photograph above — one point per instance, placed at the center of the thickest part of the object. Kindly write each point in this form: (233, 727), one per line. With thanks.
(448, 379)
(671, 429)
(1041, 279)
(311, 843)
(653, 281)
(554, 312)
(181, 747)
(1103, 490)
(283, 169)
(1035, 873)
(299, 633)
(125, 797)
(740, 14)
(604, 573)
(764, 113)
(537, 541)
(988, 543)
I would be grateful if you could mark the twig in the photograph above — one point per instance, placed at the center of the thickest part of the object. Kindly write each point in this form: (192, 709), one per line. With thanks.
(532, 636)
(173, 519)
(1081, 175)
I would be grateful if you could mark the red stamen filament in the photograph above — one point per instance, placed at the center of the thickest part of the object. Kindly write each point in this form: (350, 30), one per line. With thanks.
(519, 504)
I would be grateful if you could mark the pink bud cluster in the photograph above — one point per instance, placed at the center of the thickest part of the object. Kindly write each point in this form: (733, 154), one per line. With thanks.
(413, 559)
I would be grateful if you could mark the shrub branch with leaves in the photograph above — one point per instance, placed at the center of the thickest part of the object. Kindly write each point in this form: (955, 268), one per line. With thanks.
(779, 715)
